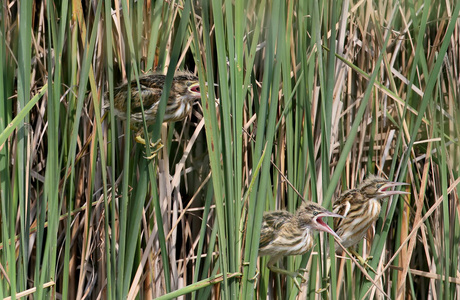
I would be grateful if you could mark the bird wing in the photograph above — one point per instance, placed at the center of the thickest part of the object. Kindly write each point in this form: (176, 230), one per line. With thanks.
(150, 92)
(271, 225)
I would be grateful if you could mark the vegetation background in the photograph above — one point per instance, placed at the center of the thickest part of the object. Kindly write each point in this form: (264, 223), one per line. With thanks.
(312, 97)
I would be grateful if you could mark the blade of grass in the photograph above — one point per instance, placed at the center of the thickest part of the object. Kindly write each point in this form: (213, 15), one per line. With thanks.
(6, 193)
(16, 122)
(21, 160)
(110, 246)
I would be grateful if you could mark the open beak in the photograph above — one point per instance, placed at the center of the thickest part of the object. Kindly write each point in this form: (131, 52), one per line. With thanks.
(321, 225)
(388, 185)
(195, 89)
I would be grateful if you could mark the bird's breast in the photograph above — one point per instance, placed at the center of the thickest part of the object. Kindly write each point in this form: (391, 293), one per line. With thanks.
(299, 242)
(177, 110)
(305, 245)
(353, 228)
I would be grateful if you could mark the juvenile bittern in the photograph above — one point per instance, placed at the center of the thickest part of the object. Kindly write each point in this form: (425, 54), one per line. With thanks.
(284, 233)
(361, 208)
(185, 89)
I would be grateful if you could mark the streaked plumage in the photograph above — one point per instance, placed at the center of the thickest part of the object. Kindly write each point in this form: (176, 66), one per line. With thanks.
(185, 90)
(284, 233)
(361, 208)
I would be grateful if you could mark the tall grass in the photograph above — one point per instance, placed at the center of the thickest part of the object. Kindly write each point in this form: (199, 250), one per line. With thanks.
(303, 99)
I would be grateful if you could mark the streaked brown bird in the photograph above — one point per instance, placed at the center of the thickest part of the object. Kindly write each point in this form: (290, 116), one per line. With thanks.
(284, 233)
(185, 90)
(361, 208)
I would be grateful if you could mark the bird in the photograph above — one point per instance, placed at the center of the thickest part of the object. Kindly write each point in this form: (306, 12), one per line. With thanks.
(360, 208)
(284, 234)
(184, 91)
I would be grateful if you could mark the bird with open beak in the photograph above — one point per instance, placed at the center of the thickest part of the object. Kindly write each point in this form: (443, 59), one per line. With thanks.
(284, 233)
(360, 208)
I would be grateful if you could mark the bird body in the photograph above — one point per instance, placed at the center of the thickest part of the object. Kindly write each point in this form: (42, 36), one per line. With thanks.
(361, 208)
(354, 226)
(185, 89)
(284, 233)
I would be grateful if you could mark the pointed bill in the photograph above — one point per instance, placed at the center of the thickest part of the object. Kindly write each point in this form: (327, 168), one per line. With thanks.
(319, 224)
(386, 193)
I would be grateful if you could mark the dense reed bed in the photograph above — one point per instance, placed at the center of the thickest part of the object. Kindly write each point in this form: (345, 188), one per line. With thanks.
(300, 100)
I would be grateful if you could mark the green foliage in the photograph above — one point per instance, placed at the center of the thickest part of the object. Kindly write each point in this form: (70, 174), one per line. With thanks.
(302, 100)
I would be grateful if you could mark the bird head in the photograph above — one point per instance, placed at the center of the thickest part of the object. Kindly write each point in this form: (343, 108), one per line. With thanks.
(312, 214)
(378, 187)
(187, 85)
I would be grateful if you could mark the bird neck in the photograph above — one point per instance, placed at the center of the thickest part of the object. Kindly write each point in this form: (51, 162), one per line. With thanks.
(373, 208)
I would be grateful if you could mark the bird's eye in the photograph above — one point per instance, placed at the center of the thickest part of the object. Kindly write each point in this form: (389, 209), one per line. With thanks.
(315, 213)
